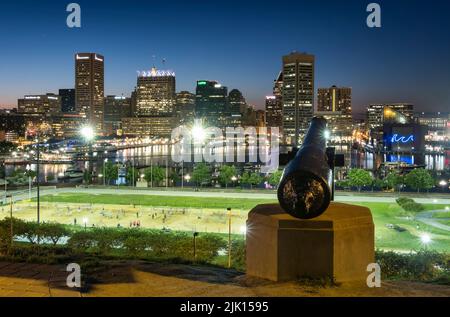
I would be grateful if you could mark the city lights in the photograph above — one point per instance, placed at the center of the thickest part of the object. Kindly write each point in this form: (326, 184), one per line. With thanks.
(198, 133)
(87, 133)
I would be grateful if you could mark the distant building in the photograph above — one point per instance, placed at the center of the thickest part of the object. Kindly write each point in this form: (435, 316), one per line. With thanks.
(12, 122)
(67, 100)
(155, 93)
(116, 108)
(298, 96)
(260, 118)
(274, 112)
(435, 121)
(42, 105)
(378, 114)
(185, 107)
(90, 88)
(66, 125)
(153, 127)
(211, 103)
(335, 99)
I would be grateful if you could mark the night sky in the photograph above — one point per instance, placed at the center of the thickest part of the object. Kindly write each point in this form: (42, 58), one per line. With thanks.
(239, 43)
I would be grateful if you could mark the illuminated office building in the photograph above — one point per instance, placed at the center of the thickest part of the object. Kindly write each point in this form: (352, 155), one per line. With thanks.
(47, 105)
(211, 103)
(298, 96)
(155, 93)
(90, 88)
(335, 99)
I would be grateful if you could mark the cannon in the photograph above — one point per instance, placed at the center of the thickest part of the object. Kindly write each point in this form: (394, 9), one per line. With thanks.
(307, 185)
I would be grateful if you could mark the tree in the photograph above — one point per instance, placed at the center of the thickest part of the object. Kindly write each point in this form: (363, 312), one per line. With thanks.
(154, 175)
(392, 180)
(7, 147)
(111, 172)
(379, 184)
(132, 175)
(419, 179)
(274, 178)
(174, 177)
(201, 174)
(226, 174)
(358, 178)
(253, 179)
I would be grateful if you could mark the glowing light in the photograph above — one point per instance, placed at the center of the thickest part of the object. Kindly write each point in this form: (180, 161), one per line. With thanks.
(88, 133)
(187, 177)
(443, 183)
(85, 220)
(425, 238)
(198, 133)
(243, 229)
(402, 139)
(327, 134)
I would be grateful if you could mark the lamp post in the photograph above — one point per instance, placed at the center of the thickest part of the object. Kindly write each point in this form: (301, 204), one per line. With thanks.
(104, 171)
(195, 246)
(38, 188)
(88, 134)
(11, 218)
(229, 237)
(443, 184)
(234, 179)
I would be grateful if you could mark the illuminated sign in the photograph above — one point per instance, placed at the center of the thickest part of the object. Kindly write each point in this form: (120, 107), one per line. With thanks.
(201, 83)
(396, 138)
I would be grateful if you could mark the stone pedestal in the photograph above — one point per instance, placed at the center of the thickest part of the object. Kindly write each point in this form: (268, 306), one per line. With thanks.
(339, 244)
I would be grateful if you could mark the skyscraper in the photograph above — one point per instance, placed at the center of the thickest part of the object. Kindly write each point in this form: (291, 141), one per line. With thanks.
(211, 103)
(335, 99)
(154, 114)
(274, 105)
(116, 108)
(67, 100)
(298, 96)
(185, 107)
(155, 93)
(90, 88)
(237, 106)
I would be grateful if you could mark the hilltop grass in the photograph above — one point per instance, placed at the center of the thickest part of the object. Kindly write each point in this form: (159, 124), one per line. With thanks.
(160, 201)
(406, 239)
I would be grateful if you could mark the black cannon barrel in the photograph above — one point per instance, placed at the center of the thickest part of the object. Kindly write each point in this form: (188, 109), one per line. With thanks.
(304, 191)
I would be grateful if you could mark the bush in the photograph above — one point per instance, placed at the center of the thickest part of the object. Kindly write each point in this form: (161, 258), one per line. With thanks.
(424, 265)
(409, 205)
(238, 254)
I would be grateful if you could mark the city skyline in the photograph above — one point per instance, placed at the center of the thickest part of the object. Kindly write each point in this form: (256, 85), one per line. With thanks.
(380, 65)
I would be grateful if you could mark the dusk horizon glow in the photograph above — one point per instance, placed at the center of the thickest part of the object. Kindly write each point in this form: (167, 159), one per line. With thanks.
(238, 44)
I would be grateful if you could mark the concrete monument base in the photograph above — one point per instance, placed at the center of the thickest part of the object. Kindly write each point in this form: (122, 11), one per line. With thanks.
(338, 244)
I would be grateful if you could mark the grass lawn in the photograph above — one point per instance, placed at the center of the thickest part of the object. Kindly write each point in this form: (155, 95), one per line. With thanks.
(442, 215)
(383, 213)
(161, 201)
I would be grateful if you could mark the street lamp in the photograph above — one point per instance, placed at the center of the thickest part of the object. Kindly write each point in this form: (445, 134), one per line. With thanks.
(234, 179)
(88, 133)
(229, 237)
(198, 133)
(85, 222)
(443, 184)
(425, 238)
(187, 178)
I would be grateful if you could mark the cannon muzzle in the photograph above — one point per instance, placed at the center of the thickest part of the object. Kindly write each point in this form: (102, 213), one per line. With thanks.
(304, 191)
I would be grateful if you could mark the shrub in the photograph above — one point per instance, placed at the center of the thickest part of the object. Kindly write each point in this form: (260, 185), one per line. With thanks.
(238, 254)
(409, 205)
(424, 265)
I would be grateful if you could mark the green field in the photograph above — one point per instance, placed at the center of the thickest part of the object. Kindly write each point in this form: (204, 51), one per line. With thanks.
(395, 229)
